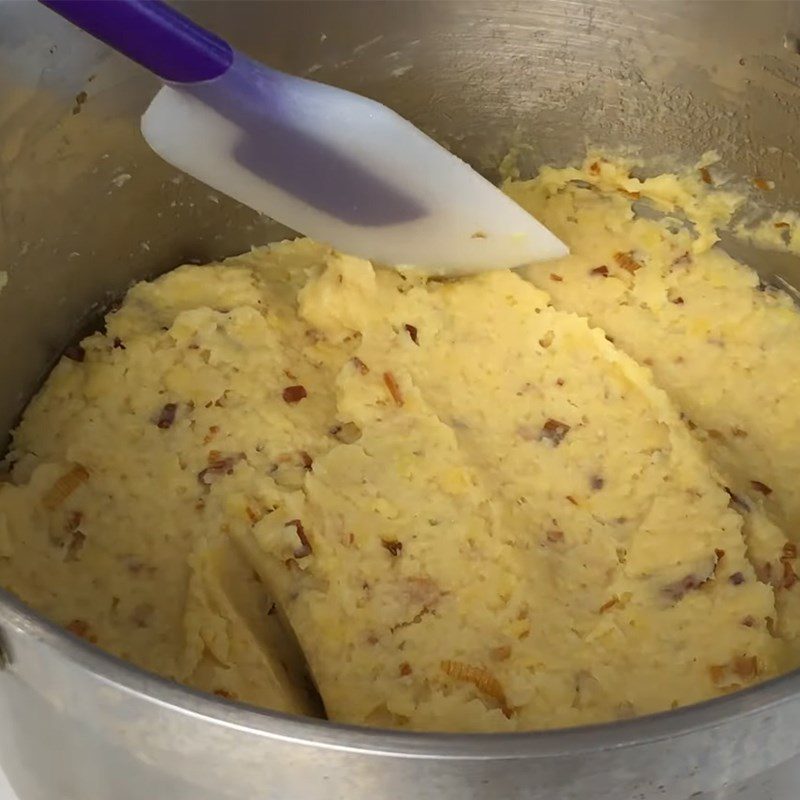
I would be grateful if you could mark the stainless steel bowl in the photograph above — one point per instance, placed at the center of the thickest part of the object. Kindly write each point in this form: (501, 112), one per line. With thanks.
(85, 209)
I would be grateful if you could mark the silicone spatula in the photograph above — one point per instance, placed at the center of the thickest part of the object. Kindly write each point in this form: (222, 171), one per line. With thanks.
(328, 163)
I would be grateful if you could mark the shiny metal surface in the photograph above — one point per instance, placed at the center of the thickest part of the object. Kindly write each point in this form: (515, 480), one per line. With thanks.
(85, 209)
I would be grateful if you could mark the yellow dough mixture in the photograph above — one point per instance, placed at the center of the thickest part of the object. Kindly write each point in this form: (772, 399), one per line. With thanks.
(504, 502)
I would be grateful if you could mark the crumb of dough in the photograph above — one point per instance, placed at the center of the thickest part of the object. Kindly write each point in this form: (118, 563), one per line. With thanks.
(489, 504)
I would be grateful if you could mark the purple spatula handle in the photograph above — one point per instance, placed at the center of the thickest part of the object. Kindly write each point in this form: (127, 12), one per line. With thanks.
(152, 34)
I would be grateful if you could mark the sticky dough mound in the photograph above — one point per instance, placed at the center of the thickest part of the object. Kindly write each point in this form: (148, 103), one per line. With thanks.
(467, 502)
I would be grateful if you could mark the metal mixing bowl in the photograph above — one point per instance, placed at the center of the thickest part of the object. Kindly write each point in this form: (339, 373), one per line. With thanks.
(85, 209)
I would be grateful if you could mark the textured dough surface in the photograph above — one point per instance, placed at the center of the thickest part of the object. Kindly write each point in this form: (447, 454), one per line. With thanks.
(471, 509)
(725, 347)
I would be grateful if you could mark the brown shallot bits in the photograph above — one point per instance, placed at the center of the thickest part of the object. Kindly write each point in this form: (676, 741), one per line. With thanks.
(608, 605)
(789, 575)
(359, 365)
(294, 394)
(602, 271)
(761, 488)
(682, 260)
(746, 667)
(677, 590)
(214, 456)
(394, 388)
(771, 628)
(304, 548)
(554, 432)
(75, 536)
(64, 487)
(211, 435)
(716, 673)
(415, 620)
(780, 575)
(729, 677)
(627, 262)
(167, 416)
(480, 678)
(393, 546)
(411, 330)
(218, 467)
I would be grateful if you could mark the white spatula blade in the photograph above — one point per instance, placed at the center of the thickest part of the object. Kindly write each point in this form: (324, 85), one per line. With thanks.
(343, 170)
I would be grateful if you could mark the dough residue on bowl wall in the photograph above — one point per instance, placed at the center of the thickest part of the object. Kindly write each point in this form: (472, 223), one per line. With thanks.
(505, 502)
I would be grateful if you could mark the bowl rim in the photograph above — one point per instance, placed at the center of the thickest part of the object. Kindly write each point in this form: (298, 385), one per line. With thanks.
(254, 721)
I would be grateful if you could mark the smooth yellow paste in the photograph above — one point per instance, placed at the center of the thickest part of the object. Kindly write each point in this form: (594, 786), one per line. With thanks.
(504, 502)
